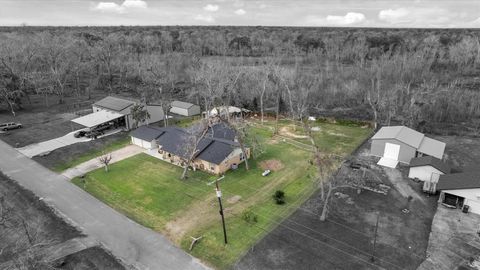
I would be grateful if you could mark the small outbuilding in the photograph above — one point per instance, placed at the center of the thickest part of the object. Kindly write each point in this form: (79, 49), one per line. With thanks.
(184, 108)
(400, 144)
(425, 168)
(223, 111)
(461, 190)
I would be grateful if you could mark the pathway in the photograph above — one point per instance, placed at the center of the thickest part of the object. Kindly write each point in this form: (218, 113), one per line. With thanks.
(93, 164)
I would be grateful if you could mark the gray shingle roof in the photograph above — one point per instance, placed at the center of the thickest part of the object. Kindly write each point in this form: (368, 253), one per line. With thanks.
(147, 133)
(115, 103)
(431, 161)
(181, 104)
(221, 131)
(211, 149)
(465, 180)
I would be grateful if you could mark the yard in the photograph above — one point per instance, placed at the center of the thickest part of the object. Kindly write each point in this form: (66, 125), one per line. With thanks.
(149, 191)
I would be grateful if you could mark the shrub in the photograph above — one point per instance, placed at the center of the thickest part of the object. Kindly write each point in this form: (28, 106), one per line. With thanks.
(279, 197)
(249, 216)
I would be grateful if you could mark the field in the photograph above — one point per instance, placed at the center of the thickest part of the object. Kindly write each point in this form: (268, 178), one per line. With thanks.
(150, 191)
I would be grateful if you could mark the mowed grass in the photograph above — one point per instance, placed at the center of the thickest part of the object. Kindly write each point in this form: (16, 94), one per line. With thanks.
(149, 191)
(115, 145)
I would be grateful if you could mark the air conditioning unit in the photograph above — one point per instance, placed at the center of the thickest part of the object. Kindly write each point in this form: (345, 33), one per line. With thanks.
(465, 208)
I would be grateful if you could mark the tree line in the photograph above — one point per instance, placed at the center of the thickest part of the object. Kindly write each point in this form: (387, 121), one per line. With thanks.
(410, 76)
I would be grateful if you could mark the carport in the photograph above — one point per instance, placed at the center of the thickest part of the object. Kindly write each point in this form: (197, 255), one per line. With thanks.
(97, 118)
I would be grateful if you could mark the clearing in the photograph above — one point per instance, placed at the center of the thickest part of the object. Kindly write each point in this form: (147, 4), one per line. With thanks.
(149, 191)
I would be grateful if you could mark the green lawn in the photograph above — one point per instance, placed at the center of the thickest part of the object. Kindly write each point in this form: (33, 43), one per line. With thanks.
(149, 191)
(115, 145)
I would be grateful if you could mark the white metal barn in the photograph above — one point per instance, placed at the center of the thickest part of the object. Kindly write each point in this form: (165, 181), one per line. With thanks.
(145, 136)
(400, 144)
(184, 108)
(461, 190)
(427, 168)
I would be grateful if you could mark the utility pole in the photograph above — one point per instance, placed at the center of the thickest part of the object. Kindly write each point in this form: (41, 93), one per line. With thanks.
(219, 196)
(375, 238)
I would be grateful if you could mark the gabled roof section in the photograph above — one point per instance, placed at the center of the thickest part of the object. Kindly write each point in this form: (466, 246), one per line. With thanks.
(147, 133)
(115, 103)
(217, 151)
(432, 147)
(221, 131)
(430, 161)
(466, 180)
(400, 133)
(181, 104)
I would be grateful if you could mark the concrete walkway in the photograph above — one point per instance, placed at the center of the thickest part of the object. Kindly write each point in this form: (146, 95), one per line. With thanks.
(134, 244)
(93, 164)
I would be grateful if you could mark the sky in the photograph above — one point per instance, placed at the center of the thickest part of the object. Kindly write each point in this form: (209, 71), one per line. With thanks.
(342, 13)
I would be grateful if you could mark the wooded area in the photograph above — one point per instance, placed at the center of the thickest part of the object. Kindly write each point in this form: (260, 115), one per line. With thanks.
(413, 76)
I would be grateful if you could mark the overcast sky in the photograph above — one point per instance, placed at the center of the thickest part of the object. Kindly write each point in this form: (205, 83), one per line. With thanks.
(359, 13)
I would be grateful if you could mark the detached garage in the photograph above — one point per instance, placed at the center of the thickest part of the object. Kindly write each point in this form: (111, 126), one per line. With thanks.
(401, 144)
(461, 190)
(425, 168)
(184, 108)
(145, 136)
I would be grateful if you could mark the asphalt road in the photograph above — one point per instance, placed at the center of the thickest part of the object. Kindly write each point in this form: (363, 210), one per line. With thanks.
(132, 243)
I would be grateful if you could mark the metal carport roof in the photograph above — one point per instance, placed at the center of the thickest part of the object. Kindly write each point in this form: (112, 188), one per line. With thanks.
(97, 118)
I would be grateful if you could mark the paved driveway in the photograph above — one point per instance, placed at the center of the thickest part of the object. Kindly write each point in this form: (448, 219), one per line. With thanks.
(93, 164)
(50, 145)
(129, 241)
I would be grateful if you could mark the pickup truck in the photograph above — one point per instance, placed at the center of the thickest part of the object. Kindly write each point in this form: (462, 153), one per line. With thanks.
(9, 126)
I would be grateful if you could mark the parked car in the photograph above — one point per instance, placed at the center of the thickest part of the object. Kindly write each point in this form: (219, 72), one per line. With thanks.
(9, 126)
(266, 172)
(80, 133)
(93, 134)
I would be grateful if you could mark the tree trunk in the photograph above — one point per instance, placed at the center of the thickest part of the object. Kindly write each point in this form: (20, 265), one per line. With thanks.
(106, 167)
(185, 169)
(277, 112)
(262, 94)
(323, 216)
(242, 146)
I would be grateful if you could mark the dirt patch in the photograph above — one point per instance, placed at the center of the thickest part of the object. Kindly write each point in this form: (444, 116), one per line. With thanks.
(401, 184)
(336, 134)
(272, 164)
(285, 131)
(234, 199)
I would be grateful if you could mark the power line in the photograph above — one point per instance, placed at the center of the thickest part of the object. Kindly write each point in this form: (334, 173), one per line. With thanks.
(314, 239)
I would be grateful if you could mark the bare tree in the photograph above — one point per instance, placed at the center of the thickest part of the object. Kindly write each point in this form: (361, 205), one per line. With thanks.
(193, 136)
(240, 127)
(105, 160)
